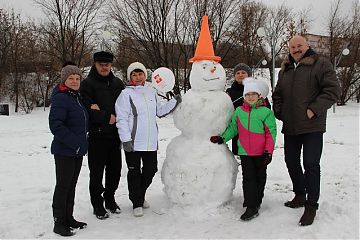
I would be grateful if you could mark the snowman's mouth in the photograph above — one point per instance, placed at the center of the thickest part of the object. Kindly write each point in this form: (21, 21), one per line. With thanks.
(211, 79)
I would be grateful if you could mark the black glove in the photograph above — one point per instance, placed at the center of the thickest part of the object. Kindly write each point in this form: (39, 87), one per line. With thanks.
(216, 139)
(178, 98)
(267, 158)
(128, 146)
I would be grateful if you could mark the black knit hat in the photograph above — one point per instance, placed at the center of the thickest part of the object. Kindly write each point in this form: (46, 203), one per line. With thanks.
(103, 57)
(242, 66)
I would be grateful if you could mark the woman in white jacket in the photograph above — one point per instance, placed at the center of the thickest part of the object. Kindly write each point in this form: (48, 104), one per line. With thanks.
(136, 109)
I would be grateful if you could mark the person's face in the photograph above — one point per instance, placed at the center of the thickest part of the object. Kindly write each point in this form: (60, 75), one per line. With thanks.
(137, 78)
(103, 69)
(252, 97)
(73, 82)
(240, 76)
(297, 47)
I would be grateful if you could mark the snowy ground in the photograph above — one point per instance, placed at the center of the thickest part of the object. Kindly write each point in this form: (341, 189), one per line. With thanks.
(27, 180)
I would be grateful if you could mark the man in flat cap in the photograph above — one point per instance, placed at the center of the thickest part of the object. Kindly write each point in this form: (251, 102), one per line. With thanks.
(99, 92)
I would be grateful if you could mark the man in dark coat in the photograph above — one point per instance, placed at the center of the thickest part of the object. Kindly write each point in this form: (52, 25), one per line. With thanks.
(99, 92)
(307, 87)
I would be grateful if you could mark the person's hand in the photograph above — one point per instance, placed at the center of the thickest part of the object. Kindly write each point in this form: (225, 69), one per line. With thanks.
(216, 139)
(128, 146)
(267, 158)
(94, 107)
(310, 114)
(178, 98)
(112, 119)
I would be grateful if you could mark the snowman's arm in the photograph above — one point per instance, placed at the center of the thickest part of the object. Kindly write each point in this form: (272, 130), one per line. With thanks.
(165, 108)
(123, 111)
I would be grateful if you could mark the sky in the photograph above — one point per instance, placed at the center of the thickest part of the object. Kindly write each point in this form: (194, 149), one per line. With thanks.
(319, 12)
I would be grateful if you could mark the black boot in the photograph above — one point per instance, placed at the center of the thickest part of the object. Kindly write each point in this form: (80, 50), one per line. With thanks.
(101, 213)
(76, 224)
(297, 202)
(308, 216)
(62, 229)
(249, 214)
(112, 207)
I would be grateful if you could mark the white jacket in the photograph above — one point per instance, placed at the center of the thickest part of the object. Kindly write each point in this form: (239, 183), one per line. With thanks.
(136, 110)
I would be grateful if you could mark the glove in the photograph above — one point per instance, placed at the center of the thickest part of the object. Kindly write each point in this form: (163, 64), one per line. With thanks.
(178, 98)
(267, 158)
(128, 146)
(216, 139)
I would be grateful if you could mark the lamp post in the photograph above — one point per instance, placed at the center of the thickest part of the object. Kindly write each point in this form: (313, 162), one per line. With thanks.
(262, 62)
(337, 60)
(261, 32)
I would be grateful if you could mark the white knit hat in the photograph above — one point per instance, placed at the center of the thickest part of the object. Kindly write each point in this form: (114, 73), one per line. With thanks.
(251, 85)
(136, 65)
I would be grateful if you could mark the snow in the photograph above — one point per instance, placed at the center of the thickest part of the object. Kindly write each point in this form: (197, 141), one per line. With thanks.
(27, 179)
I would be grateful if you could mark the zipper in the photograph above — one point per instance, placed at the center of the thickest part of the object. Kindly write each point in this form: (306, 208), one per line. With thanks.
(148, 120)
(84, 115)
(249, 129)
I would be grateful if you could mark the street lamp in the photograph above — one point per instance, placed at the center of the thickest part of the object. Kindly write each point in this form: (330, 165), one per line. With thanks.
(262, 62)
(337, 60)
(261, 32)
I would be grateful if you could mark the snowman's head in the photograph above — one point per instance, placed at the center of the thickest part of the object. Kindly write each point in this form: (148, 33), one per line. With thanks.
(207, 75)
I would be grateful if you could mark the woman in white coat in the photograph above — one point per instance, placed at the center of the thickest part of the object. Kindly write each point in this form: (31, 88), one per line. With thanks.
(136, 109)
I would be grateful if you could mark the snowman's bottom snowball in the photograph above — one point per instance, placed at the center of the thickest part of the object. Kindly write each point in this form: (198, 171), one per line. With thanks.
(198, 173)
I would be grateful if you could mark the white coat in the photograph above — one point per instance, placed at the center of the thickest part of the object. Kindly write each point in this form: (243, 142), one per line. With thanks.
(136, 110)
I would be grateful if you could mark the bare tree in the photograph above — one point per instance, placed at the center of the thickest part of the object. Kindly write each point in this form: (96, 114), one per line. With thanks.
(345, 32)
(5, 42)
(70, 28)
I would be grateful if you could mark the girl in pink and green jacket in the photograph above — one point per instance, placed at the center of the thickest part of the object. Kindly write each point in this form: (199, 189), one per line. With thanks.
(256, 126)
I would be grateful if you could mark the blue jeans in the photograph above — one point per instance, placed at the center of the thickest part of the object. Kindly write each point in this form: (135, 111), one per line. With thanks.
(305, 182)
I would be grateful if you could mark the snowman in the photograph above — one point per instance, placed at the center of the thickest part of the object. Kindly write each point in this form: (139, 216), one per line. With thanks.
(195, 171)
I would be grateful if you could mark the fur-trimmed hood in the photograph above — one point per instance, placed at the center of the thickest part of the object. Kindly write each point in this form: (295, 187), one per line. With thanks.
(309, 58)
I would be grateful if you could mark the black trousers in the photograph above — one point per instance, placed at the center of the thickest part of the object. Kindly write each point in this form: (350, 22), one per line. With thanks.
(234, 146)
(305, 182)
(254, 180)
(67, 171)
(139, 178)
(104, 155)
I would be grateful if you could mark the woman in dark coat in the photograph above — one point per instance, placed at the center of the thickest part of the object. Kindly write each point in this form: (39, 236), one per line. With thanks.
(68, 121)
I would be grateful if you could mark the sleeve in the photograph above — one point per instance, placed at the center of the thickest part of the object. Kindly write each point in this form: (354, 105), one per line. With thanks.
(57, 120)
(88, 98)
(232, 129)
(165, 108)
(270, 132)
(123, 112)
(277, 97)
(329, 89)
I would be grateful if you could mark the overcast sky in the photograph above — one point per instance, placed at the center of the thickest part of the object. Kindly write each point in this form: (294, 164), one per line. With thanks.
(319, 9)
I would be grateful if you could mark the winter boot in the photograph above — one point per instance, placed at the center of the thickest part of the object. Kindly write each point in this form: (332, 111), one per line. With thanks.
(249, 214)
(146, 204)
(308, 216)
(138, 212)
(76, 224)
(101, 213)
(62, 229)
(297, 202)
(113, 207)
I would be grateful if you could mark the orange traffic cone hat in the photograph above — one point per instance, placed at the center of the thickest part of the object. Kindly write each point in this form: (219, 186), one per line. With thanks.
(204, 49)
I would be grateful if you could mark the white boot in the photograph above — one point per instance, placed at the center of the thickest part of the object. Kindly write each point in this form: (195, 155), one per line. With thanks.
(146, 204)
(138, 212)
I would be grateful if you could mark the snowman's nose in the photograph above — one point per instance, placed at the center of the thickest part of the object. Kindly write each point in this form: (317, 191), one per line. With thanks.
(213, 70)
